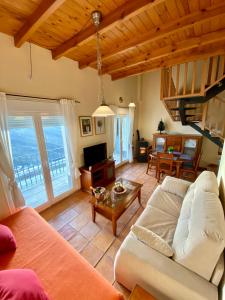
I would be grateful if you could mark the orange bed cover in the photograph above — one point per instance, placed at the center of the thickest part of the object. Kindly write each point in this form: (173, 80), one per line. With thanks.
(64, 273)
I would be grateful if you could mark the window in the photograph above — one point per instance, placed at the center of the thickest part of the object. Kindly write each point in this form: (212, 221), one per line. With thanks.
(40, 157)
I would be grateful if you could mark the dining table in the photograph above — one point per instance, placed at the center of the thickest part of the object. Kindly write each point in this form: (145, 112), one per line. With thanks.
(179, 158)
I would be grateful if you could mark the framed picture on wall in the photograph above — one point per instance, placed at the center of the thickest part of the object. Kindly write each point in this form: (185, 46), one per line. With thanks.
(86, 128)
(99, 125)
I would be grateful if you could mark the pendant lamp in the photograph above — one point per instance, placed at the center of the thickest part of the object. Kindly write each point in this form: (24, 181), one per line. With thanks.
(103, 110)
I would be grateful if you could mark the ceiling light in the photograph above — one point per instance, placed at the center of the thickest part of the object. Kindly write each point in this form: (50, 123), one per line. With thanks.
(103, 110)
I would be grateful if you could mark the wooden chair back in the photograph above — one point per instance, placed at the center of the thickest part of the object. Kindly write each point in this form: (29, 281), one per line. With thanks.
(197, 161)
(164, 162)
(177, 148)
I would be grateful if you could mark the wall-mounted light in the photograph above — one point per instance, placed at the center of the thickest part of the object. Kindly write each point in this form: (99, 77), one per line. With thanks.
(132, 104)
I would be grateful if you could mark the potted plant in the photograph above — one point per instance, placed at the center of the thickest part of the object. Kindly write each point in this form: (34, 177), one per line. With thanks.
(161, 126)
(98, 192)
(170, 149)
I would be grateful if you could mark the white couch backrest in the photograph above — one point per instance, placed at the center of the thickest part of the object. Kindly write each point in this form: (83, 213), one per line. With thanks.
(199, 238)
(207, 182)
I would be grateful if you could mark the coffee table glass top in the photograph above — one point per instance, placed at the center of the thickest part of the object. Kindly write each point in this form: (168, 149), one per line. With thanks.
(113, 200)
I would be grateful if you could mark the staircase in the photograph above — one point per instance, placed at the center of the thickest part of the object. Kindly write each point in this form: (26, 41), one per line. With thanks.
(193, 94)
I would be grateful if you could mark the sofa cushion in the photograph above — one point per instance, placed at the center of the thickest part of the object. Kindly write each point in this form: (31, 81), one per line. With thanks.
(161, 214)
(7, 240)
(218, 271)
(199, 238)
(21, 284)
(207, 182)
(152, 240)
(166, 202)
(175, 186)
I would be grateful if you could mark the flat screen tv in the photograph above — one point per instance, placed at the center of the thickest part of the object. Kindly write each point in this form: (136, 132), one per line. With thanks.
(95, 154)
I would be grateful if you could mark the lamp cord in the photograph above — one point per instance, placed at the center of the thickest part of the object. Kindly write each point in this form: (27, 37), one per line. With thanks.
(99, 66)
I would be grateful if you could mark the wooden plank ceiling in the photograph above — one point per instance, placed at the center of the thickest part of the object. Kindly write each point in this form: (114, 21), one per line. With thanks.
(136, 35)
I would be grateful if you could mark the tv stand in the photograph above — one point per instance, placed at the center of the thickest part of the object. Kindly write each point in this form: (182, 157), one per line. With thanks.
(100, 174)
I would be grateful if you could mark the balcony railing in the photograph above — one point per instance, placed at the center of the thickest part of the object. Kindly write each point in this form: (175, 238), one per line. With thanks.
(28, 168)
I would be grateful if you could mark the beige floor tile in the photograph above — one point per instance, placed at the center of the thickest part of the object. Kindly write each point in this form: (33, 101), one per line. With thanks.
(78, 242)
(114, 248)
(67, 231)
(105, 267)
(90, 230)
(82, 206)
(92, 254)
(57, 224)
(80, 221)
(67, 215)
(103, 240)
(101, 221)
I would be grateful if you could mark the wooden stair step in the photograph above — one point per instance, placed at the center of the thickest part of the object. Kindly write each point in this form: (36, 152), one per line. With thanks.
(189, 116)
(185, 108)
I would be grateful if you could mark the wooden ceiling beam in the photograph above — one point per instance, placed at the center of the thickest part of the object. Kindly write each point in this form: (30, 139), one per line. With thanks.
(40, 15)
(194, 55)
(176, 48)
(160, 32)
(127, 10)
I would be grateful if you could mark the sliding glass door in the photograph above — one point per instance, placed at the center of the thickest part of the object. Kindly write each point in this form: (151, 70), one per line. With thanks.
(40, 159)
(56, 147)
(121, 139)
(27, 161)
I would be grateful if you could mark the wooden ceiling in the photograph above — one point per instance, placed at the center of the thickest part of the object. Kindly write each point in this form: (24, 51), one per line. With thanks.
(136, 35)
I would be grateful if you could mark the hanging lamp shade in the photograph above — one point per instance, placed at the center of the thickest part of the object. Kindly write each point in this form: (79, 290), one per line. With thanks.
(103, 110)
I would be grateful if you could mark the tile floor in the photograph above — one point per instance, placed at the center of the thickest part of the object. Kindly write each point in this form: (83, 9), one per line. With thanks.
(95, 242)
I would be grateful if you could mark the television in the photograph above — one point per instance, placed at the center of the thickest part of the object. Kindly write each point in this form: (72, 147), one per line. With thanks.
(95, 154)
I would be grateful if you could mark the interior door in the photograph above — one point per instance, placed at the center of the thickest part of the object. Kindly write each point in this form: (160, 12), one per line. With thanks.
(117, 150)
(122, 139)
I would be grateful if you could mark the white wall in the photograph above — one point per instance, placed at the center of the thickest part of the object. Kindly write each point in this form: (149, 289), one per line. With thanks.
(58, 79)
(151, 110)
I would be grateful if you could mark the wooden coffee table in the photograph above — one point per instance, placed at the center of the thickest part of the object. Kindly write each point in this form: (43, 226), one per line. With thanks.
(115, 205)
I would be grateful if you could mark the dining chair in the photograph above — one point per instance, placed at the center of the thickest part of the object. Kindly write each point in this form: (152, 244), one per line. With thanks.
(190, 169)
(152, 161)
(165, 165)
(151, 158)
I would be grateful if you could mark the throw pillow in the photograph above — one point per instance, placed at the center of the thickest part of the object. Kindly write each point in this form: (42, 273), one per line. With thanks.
(175, 186)
(152, 240)
(21, 284)
(7, 240)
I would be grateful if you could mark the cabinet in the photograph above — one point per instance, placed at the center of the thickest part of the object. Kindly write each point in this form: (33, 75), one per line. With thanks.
(190, 144)
(100, 174)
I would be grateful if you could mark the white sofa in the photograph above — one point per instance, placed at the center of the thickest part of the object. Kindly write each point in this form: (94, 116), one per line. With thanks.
(190, 218)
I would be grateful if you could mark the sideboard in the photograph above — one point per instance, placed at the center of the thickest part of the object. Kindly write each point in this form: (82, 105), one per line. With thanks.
(190, 144)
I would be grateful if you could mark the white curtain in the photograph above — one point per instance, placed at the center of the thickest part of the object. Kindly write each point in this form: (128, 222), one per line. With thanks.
(111, 121)
(68, 109)
(131, 121)
(11, 196)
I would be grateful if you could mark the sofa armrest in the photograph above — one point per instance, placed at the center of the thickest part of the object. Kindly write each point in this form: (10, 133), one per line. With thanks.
(137, 263)
(175, 186)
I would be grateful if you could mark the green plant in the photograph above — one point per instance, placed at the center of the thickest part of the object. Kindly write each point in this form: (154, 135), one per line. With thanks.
(170, 149)
(161, 126)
